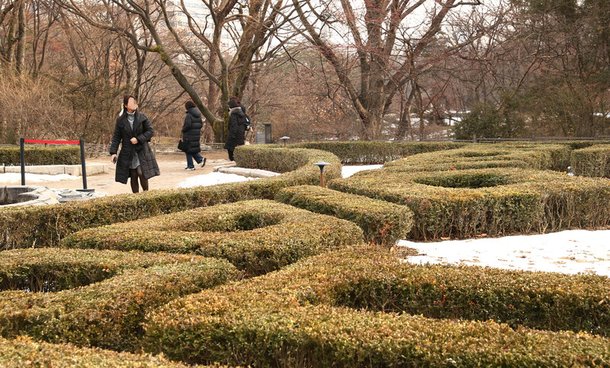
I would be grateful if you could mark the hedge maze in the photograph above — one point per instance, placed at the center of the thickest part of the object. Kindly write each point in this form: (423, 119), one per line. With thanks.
(281, 272)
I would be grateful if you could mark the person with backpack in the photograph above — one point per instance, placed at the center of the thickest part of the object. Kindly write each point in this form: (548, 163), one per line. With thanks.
(237, 126)
(191, 135)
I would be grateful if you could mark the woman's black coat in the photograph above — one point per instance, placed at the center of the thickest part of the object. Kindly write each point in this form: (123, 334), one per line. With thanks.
(143, 131)
(237, 128)
(191, 130)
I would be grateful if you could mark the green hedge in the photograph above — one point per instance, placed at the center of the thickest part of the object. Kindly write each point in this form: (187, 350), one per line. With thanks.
(256, 236)
(382, 222)
(24, 352)
(53, 269)
(499, 201)
(109, 314)
(47, 225)
(366, 153)
(295, 318)
(481, 156)
(592, 161)
(40, 155)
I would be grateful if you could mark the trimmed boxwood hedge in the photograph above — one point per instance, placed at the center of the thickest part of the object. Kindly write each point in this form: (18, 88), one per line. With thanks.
(109, 313)
(256, 236)
(382, 222)
(295, 318)
(54, 269)
(592, 161)
(40, 155)
(481, 156)
(46, 225)
(366, 152)
(499, 201)
(24, 352)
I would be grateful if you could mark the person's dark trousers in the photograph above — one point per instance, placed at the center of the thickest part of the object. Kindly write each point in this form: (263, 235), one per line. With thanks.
(231, 158)
(189, 159)
(134, 174)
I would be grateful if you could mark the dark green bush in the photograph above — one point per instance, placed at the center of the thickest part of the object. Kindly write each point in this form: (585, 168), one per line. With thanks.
(47, 225)
(297, 318)
(39, 155)
(256, 236)
(382, 222)
(529, 201)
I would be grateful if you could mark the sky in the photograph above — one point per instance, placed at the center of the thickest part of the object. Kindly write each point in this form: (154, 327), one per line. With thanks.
(568, 252)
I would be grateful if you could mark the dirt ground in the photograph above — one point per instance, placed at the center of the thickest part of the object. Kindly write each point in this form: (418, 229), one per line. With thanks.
(171, 166)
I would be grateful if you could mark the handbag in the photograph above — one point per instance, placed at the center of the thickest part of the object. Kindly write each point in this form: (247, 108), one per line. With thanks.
(182, 145)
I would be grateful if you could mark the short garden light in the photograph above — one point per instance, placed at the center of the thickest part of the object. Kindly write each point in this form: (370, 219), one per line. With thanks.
(321, 165)
(284, 139)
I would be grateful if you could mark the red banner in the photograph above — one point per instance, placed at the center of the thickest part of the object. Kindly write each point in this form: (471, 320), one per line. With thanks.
(42, 141)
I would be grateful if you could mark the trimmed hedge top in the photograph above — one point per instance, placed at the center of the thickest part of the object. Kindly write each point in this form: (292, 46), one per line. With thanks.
(382, 222)
(24, 352)
(256, 236)
(46, 225)
(109, 313)
(496, 201)
(592, 161)
(297, 317)
(40, 155)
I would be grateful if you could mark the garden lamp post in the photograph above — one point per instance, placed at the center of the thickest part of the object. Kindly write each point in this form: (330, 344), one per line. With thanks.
(321, 165)
(284, 139)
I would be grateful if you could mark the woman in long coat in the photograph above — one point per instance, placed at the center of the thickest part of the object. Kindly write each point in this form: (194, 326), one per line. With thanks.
(136, 160)
(191, 135)
(237, 127)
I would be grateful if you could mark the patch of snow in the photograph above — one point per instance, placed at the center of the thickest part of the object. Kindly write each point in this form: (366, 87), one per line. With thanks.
(347, 171)
(15, 178)
(212, 179)
(569, 252)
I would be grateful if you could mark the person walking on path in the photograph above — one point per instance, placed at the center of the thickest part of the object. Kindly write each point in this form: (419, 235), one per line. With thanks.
(191, 135)
(237, 127)
(136, 160)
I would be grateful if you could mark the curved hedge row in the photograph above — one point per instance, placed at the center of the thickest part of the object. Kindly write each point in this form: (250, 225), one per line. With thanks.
(460, 204)
(482, 156)
(53, 269)
(47, 225)
(295, 317)
(592, 161)
(40, 155)
(366, 153)
(256, 236)
(382, 222)
(109, 313)
(24, 352)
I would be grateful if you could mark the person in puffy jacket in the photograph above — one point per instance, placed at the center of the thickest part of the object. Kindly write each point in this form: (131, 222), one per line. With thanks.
(191, 135)
(136, 160)
(237, 126)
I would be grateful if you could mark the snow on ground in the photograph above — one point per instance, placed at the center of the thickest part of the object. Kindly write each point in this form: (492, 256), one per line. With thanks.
(570, 252)
(212, 179)
(347, 171)
(15, 178)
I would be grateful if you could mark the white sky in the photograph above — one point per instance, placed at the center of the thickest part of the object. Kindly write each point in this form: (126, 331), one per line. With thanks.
(570, 252)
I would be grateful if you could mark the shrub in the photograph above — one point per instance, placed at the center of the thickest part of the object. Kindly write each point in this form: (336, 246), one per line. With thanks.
(109, 313)
(592, 161)
(365, 153)
(24, 352)
(256, 236)
(47, 225)
(382, 222)
(52, 269)
(295, 318)
(37, 155)
(460, 204)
